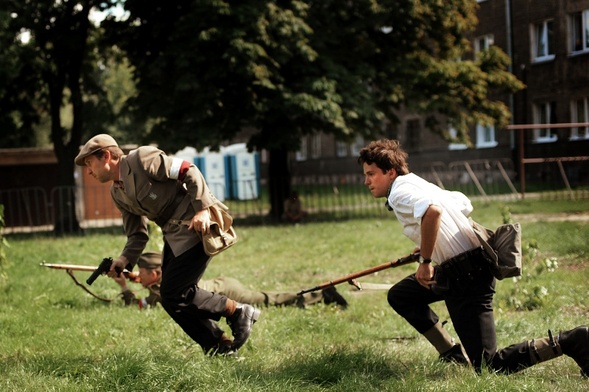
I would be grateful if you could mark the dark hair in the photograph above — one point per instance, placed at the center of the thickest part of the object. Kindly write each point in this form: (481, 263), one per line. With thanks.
(386, 154)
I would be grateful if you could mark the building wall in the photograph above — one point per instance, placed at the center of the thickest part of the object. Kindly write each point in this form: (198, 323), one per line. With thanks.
(558, 80)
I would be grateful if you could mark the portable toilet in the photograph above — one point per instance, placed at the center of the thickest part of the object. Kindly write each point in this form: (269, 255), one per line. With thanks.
(212, 166)
(187, 153)
(243, 172)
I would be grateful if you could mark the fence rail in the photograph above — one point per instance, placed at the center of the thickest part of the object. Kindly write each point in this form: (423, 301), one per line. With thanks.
(324, 197)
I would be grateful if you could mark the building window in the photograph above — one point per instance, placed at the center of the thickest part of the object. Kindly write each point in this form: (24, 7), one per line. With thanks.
(580, 114)
(316, 146)
(357, 146)
(483, 42)
(341, 149)
(413, 134)
(455, 146)
(543, 41)
(580, 31)
(301, 154)
(485, 136)
(544, 114)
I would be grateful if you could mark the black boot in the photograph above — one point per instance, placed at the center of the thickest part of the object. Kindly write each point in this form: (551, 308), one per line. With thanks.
(575, 344)
(223, 347)
(241, 323)
(456, 355)
(330, 295)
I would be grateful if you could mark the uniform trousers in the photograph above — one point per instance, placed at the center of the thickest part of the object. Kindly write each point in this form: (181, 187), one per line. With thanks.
(237, 291)
(469, 300)
(194, 310)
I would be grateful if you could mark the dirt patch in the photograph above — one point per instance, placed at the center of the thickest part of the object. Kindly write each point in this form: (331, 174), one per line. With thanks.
(553, 217)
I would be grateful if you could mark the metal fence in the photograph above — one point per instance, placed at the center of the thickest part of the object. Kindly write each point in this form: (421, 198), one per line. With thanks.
(324, 197)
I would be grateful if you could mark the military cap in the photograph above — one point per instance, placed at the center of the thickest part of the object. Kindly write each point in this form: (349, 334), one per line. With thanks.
(98, 142)
(150, 260)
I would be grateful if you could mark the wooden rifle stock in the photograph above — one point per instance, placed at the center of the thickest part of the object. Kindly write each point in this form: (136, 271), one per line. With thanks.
(350, 278)
(133, 277)
(70, 268)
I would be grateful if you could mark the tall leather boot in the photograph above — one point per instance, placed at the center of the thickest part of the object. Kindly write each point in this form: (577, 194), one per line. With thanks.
(543, 349)
(575, 344)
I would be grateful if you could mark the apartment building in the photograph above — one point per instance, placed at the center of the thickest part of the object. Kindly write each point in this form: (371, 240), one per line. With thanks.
(548, 42)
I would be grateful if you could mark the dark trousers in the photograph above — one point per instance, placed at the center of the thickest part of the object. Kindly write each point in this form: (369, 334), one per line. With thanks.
(469, 300)
(193, 309)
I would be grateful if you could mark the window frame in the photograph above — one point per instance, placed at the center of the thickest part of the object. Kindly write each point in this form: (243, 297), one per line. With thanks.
(583, 16)
(301, 154)
(486, 142)
(542, 33)
(341, 149)
(316, 146)
(455, 146)
(487, 39)
(579, 133)
(543, 114)
(356, 146)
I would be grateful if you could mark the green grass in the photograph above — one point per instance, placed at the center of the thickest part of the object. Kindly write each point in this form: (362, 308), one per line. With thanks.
(55, 337)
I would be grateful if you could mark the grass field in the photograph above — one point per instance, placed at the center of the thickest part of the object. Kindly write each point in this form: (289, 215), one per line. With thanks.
(55, 337)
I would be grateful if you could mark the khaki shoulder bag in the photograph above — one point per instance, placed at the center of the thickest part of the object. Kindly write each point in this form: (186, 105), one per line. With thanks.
(502, 248)
(221, 235)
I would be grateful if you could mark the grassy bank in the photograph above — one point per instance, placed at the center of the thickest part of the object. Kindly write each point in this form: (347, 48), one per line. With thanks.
(55, 337)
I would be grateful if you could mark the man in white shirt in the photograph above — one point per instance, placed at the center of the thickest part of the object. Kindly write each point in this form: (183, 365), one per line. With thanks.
(452, 269)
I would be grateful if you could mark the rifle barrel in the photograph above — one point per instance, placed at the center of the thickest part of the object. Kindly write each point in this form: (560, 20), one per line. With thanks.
(72, 267)
(349, 278)
(90, 268)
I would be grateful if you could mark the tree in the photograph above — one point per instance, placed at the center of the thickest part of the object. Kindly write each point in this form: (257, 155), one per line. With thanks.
(208, 69)
(50, 54)
(3, 246)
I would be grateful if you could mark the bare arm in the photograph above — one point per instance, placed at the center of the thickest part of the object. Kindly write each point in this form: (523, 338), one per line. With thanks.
(430, 225)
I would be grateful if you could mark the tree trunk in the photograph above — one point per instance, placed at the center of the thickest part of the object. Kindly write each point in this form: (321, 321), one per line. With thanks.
(64, 200)
(64, 196)
(278, 181)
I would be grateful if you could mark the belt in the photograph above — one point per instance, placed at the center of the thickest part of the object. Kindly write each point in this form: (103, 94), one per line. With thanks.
(167, 212)
(180, 222)
(462, 264)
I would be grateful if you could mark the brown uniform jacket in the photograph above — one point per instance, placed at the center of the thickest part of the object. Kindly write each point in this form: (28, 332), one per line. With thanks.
(151, 186)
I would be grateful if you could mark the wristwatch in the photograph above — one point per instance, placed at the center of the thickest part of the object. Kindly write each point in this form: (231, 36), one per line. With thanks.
(423, 260)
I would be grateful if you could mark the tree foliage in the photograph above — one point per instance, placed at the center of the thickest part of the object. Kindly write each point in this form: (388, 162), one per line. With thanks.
(208, 69)
(50, 56)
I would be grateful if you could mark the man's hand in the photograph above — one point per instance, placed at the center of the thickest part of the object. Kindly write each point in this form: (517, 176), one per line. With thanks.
(201, 222)
(425, 275)
(118, 265)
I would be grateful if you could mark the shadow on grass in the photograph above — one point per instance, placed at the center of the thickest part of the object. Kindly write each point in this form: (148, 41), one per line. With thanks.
(339, 370)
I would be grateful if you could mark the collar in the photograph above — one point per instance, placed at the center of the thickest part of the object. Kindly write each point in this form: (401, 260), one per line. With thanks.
(386, 203)
(119, 183)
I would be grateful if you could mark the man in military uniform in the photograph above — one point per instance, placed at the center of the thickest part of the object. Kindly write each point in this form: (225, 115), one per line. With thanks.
(149, 185)
(150, 274)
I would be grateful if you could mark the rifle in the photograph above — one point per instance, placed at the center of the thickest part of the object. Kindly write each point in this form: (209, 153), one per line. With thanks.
(96, 271)
(351, 277)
